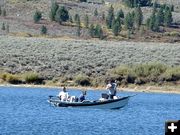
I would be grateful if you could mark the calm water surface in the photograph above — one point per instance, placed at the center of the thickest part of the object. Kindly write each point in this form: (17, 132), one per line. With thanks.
(25, 111)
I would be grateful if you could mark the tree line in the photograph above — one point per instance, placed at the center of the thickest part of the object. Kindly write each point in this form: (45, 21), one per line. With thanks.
(161, 16)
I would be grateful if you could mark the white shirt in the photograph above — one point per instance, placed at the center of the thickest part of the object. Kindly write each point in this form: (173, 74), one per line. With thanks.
(111, 88)
(63, 95)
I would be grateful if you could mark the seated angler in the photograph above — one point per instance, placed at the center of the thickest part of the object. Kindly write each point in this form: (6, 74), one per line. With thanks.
(63, 95)
(82, 96)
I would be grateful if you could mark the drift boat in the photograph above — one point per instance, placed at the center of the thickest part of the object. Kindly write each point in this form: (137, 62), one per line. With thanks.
(98, 104)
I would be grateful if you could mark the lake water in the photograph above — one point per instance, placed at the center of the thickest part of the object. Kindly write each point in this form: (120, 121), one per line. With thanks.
(25, 111)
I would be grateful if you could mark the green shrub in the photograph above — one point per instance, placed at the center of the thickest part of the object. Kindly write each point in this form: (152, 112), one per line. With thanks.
(13, 79)
(121, 70)
(10, 78)
(43, 30)
(82, 80)
(175, 33)
(32, 77)
(54, 8)
(149, 70)
(171, 74)
(62, 14)
(3, 26)
(37, 16)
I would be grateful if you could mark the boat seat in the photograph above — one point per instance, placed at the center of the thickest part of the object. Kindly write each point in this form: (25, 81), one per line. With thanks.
(104, 95)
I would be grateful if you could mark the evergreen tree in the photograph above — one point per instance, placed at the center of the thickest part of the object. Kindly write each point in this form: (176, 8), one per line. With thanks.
(86, 21)
(172, 8)
(43, 30)
(135, 3)
(98, 32)
(0, 11)
(138, 17)
(152, 21)
(103, 16)
(3, 26)
(156, 24)
(148, 21)
(37, 16)
(54, 8)
(110, 17)
(116, 28)
(77, 18)
(78, 22)
(70, 19)
(3, 12)
(96, 12)
(62, 14)
(160, 16)
(155, 4)
(120, 14)
(78, 33)
(91, 30)
(168, 17)
(7, 28)
(129, 21)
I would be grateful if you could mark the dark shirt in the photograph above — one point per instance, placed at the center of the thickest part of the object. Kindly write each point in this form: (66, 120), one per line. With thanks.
(82, 98)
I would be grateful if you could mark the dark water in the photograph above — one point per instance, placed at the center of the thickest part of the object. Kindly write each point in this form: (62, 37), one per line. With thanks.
(24, 111)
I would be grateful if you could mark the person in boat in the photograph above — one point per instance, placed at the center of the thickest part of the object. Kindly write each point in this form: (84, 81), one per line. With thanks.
(82, 96)
(63, 95)
(111, 86)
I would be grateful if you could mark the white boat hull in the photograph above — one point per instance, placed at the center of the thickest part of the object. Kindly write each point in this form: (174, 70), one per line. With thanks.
(108, 104)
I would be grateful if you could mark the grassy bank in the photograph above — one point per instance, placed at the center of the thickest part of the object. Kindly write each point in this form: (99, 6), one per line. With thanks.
(151, 74)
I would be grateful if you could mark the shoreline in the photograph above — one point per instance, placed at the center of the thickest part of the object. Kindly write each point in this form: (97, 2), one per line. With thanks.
(145, 89)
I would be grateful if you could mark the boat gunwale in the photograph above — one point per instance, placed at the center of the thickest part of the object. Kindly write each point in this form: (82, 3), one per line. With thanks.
(77, 104)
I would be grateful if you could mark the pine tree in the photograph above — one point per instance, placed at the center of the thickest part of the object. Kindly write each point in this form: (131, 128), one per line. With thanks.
(120, 14)
(160, 16)
(129, 21)
(110, 17)
(0, 11)
(152, 21)
(3, 12)
(3, 26)
(54, 8)
(156, 24)
(86, 21)
(168, 17)
(7, 28)
(78, 33)
(37, 16)
(91, 30)
(103, 16)
(76, 18)
(155, 4)
(98, 32)
(78, 22)
(96, 12)
(135, 3)
(138, 17)
(43, 30)
(148, 21)
(62, 14)
(172, 8)
(116, 28)
(70, 19)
